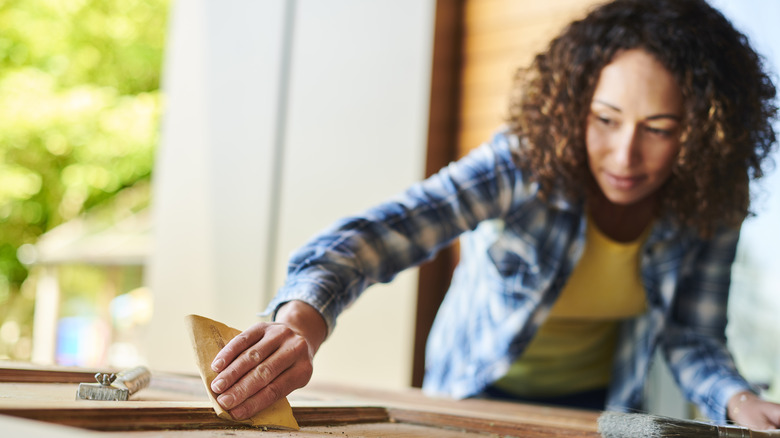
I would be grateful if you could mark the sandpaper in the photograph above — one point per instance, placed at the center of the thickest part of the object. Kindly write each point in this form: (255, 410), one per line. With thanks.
(208, 338)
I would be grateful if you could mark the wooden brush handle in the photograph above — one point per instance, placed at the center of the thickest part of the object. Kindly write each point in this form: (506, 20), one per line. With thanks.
(764, 433)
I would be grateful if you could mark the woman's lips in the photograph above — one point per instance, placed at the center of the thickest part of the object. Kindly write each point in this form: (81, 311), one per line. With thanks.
(621, 182)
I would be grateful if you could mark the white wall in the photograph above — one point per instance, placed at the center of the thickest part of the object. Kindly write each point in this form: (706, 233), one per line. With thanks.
(281, 117)
(212, 182)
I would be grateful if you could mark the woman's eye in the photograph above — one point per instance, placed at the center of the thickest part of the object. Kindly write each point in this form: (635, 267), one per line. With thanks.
(659, 132)
(606, 121)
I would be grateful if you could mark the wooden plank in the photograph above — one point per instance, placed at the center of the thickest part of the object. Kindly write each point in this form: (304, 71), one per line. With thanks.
(44, 375)
(321, 405)
(365, 430)
(174, 385)
(391, 430)
(152, 409)
(185, 418)
(493, 426)
(317, 405)
(129, 417)
(17, 427)
(477, 410)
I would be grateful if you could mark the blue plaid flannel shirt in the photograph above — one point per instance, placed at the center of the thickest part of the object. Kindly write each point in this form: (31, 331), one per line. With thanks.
(516, 254)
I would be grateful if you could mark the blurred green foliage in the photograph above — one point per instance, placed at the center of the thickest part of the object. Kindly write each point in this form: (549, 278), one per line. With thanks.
(79, 114)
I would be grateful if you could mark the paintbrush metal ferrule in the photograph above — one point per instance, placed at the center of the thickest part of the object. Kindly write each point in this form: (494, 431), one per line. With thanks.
(733, 432)
(741, 432)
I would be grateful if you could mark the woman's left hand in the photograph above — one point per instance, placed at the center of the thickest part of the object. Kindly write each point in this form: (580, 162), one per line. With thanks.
(747, 409)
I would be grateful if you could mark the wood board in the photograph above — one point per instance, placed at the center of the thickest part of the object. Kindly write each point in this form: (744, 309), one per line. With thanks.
(320, 409)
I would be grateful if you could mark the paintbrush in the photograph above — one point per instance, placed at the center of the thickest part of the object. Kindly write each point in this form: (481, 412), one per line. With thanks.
(115, 387)
(623, 425)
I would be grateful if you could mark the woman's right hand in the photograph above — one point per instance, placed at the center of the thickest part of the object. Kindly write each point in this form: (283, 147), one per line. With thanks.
(268, 360)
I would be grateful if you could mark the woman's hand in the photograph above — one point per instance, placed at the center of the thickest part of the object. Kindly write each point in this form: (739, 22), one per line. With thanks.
(747, 409)
(268, 360)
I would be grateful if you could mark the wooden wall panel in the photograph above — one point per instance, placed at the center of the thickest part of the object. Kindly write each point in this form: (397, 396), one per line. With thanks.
(498, 37)
(433, 279)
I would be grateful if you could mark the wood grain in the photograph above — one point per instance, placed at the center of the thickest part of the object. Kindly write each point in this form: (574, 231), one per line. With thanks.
(54, 375)
(128, 418)
(505, 427)
(498, 37)
(321, 409)
(485, 411)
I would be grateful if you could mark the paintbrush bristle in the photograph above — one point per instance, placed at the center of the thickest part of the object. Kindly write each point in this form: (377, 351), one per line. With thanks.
(623, 425)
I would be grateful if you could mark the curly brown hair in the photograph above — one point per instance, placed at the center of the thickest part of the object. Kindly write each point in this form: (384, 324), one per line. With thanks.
(728, 99)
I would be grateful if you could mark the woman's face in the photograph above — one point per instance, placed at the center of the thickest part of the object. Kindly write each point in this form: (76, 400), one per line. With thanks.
(633, 128)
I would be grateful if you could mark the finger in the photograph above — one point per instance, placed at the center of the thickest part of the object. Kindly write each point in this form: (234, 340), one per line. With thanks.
(759, 421)
(264, 374)
(290, 380)
(765, 415)
(774, 416)
(248, 359)
(237, 345)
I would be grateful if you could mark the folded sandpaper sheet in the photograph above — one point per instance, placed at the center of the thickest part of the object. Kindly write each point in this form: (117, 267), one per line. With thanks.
(208, 338)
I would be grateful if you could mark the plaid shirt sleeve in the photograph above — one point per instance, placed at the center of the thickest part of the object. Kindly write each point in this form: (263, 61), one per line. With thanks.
(694, 341)
(334, 268)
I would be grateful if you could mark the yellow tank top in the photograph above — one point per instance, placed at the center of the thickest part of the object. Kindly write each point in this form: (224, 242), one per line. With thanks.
(572, 351)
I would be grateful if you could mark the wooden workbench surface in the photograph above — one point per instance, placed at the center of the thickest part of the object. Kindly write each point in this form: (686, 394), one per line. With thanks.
(42, 402)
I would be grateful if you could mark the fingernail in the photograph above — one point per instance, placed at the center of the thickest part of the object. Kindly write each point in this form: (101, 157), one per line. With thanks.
(218, 364)
(218, 385)
(226, 401)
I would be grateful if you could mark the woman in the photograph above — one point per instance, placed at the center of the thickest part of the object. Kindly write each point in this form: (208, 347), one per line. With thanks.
(601, 224)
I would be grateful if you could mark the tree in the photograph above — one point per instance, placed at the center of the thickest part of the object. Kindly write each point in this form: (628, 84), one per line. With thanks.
(79, 113)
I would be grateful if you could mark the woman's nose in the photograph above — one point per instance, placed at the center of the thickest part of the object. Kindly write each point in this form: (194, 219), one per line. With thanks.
(625, 148)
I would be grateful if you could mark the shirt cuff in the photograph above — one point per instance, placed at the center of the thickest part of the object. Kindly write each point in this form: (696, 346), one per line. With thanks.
(309, 294)
(721, 394)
